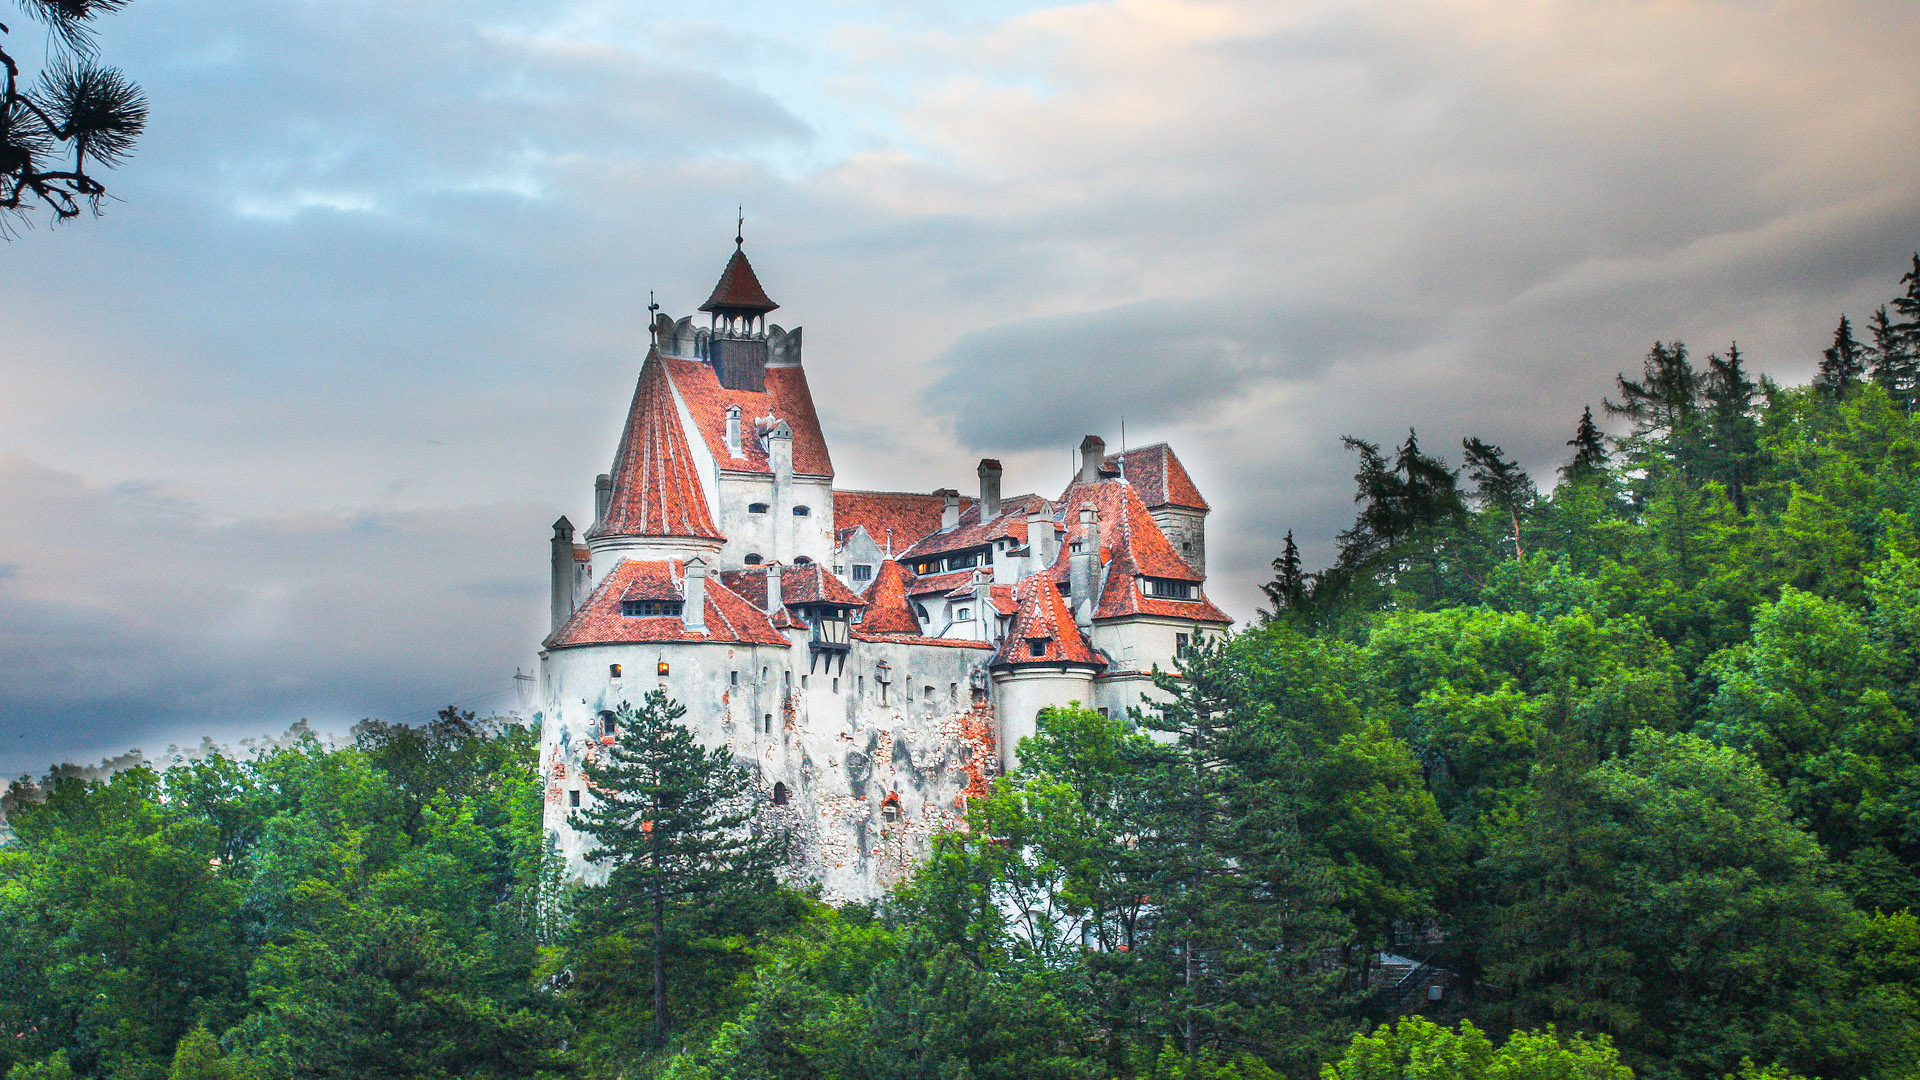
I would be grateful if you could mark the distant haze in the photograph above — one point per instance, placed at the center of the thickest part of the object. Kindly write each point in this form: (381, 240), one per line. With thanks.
(282, 433)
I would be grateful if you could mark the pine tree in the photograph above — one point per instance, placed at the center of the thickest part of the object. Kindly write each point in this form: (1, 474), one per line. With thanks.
(1730, 435)
(674, 822)
(1289, 583)
(1896, 367)
(1664, 395)
(1843, 363)
(1501, 484)
(1590, 454)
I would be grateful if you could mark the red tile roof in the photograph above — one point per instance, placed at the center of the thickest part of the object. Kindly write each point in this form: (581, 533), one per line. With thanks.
(582, 554)
(1124, 519)
(899, 518)
(971, 532)
(1157, 475)
(786, 398)
(888, 609)
(808, 583)
(739, 289)
(940, 583)
(1043, 618)
(860, 634)
(599, 622)
(656, 483)
(1123, 596)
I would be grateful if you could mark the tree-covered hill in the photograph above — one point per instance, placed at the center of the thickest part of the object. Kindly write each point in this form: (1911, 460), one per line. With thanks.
(1618, 778)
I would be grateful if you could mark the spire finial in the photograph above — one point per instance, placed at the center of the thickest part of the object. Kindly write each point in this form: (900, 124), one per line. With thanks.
(740, 227)
(653, 310)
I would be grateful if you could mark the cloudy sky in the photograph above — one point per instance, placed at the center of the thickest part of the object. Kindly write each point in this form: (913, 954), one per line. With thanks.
(281, 434)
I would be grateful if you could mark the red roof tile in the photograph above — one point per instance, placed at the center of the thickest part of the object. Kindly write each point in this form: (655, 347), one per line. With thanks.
(895, 519)
(1123, 596)
(1124, 519)
(786, 398)
(656, 483)
(598, 621)
(940, 583)
(1158, 477)
(971, 532)
(808, 583)
(739, 289)
(915, 639)
(582, 554)
(1043, 619)
(888, 609)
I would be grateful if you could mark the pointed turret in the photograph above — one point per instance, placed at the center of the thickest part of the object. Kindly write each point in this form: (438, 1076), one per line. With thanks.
(737, 343)
(655, 501)
(1043, 630)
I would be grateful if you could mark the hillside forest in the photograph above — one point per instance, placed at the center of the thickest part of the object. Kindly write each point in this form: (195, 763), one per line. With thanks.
(1616, 778)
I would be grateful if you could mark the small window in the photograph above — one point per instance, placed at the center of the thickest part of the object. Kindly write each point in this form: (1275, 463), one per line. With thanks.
(779, 794)
(753, 558)
(1180, 642)
(1036, 647)
(858, 614)
(608, 723)
(613, 671)
(573, 797)
(953, 691)
(803, 682)
(890, 809)
(921, 611)
(862, 571)
(963, 615)
(836, 686)
(766, 726)
(801, 511)
(1186, 546)
(802, 560)
(640, 609)
(733, 678)
(927, 694)
(756, 508)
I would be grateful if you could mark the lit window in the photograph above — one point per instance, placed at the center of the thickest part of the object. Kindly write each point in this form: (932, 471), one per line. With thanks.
(613, 671)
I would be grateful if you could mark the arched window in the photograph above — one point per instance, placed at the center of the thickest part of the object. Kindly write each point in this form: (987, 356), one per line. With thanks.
(756, 508)
(890, 808)
(802, 560)
(779, 794)
(801, 511)
(753, 558)
(921, 610)
(963, 614)
(608, 725)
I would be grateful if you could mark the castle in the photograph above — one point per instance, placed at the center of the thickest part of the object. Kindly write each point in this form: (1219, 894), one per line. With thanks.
(874, 657)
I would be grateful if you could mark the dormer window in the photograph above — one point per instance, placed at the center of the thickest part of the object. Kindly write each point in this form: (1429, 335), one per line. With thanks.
(862, 572)
(756, 508)
(640, 609)
(1168, 589)
(963, 615)
(1036, 647)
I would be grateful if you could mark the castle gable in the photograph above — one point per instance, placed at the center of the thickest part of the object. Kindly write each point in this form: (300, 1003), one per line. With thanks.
(786, 397)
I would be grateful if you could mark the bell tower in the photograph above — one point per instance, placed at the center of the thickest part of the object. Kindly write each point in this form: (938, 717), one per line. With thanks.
(737, 341)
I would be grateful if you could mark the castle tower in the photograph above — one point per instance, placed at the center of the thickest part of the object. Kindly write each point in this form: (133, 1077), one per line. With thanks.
(737, 338)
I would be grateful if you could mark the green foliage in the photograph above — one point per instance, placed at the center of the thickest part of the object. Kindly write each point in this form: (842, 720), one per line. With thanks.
(1418, 1049)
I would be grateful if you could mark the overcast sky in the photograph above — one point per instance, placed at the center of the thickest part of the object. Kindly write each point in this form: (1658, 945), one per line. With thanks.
(282, 433)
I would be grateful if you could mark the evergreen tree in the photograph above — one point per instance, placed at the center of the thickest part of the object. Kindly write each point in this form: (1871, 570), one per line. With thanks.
(80, 115)
(1663, 396)
(675, 824)
(1590, 453)
(1502, 485)
(1843, 363)
(1289, 583)
(1896, 362)
(1730, 437)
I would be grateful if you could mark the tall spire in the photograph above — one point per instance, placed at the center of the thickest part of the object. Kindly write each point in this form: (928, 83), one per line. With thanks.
(656, 483)
(738, 293)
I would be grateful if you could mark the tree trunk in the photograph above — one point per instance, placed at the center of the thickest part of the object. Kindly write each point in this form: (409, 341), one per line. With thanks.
(660, 967)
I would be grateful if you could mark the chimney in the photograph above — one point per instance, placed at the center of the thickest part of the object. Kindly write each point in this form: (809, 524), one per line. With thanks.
(989, 489)
(1040, 537)
(693, 613)
(1083, 567)
(949, 509)
(602, 497)
(1093, 454)
(562, 571)
(780, 460)
(774, 574)
(733, 431)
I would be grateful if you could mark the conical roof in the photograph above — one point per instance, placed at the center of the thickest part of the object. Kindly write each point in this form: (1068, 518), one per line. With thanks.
(739, 289)
(889, 611)
(656, 482)
(1043, 630)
